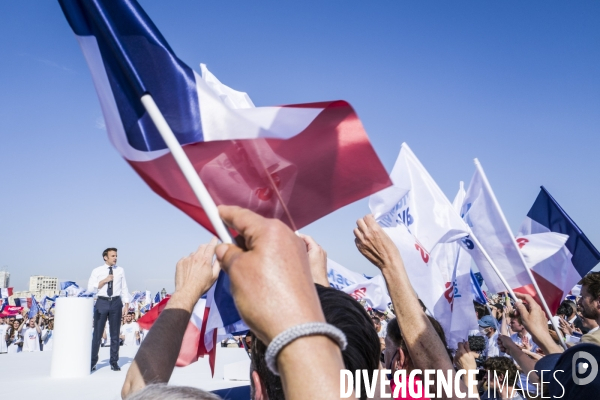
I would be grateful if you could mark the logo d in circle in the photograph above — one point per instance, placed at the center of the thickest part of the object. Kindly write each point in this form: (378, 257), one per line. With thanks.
(581, 368)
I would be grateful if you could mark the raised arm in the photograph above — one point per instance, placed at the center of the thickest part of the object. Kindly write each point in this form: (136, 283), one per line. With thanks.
(156, 357)
(423, 343)
(536, 323)
(274, 267)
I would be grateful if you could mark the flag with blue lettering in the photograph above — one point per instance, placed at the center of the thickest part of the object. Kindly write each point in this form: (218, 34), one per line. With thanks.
(454, 306)
(486, 219)
(557, 274)
(425, 226)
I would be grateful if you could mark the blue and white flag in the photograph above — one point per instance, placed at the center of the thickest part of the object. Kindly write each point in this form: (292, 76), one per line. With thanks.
(557, 274)
(35, 309)
(157, 298)
(66, 284)
(372, 290)
(478, 294)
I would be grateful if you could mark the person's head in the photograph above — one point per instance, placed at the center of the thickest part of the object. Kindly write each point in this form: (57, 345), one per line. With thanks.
(341, 311)
(589, 302)
(480, 310)
(2, 321)
(128, 318)
(110, 256)
(32, 323)
(376, 323)
(161, 391)
(516, 323)
(487, 325)
(16, 324)
(51, 324)
(500, 367)
(396, 354)
(566, 309)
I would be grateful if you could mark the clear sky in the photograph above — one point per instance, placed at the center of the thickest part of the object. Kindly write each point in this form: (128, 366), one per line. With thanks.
(516, 84)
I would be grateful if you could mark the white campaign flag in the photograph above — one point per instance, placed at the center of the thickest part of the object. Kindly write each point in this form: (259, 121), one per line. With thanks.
(372, 290)
(482, 213)
(416, 201)
(454, 309)
(420, 220)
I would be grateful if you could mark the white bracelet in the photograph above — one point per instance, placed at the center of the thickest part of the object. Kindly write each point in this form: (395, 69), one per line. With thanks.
(289, 335)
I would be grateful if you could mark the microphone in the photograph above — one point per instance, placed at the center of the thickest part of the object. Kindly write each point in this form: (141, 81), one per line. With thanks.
(110, 284)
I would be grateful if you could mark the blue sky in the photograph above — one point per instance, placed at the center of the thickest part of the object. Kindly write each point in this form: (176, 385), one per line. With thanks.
(516, 84)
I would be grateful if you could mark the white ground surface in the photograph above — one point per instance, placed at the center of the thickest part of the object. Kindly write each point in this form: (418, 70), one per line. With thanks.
(28, 374)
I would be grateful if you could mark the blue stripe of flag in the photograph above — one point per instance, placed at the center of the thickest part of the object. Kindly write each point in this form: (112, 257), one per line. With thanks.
(138, 60)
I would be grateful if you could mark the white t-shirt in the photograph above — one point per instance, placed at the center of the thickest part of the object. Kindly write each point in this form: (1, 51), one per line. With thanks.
(492, 349)
(31, 340)
(49, 338)
(519, 342)
(129, 330)
(3, 329)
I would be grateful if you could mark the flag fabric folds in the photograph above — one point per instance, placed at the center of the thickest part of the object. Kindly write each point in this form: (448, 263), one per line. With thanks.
(417, 202)
(425, 226)
(559, 272)
(6, 292)
(34, 309)
(65, 285)
(294, 162)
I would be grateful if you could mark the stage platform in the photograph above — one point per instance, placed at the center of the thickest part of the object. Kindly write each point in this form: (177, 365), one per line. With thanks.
(28, 374)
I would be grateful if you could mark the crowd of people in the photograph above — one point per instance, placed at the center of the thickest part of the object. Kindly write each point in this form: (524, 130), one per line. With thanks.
(298, 351)
(24, 334)
(291, 358)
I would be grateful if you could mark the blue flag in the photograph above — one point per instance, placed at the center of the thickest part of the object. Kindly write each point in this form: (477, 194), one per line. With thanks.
(478, 295)
(157, 298)
(33, 311)
(67, 284)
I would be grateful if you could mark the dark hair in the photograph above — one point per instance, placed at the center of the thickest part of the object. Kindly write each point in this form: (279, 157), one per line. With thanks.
(503, 366)
(395, 335)
(345, 313)
(592, 281)
(481, 310)
(565, 309)
(105, 252)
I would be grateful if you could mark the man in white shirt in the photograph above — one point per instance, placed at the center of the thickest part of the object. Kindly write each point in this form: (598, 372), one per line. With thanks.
(488, 328)
(130, 331)
(3, 329)
(31, 336)
(112, 303)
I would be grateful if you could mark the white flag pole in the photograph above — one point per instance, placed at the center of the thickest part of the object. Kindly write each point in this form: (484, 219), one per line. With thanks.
(535, 285)
(206, 201)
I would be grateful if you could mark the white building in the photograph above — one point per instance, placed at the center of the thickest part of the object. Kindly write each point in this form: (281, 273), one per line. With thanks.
(38, 283)
(4, 279)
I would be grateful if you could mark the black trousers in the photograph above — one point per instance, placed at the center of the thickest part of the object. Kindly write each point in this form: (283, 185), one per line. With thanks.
(113, 311)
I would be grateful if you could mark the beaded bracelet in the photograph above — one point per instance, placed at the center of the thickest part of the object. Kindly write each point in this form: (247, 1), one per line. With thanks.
(289, 335)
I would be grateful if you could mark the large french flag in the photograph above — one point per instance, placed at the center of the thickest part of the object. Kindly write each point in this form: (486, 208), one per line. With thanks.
(6, 292)
(296, 163)
(557, 274)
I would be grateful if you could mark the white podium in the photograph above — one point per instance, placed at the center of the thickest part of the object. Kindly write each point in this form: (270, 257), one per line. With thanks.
(72, 347)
